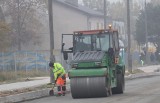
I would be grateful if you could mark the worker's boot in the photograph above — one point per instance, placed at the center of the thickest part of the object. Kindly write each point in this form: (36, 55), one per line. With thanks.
(59, 91)
(63, 90)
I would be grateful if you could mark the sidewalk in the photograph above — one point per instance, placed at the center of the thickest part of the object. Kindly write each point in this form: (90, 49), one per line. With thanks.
(20, 85)
(148, 72)
(149, 69)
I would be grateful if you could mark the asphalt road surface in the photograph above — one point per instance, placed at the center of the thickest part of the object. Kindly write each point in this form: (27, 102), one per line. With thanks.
(143, 90)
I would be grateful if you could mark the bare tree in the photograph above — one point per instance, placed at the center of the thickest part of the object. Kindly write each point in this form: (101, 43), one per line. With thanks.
(24, 21)
(96, 4)
(155, 2)
(4, 37)
(117, 10)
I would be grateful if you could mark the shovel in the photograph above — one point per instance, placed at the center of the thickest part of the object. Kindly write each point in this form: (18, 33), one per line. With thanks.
(51, 92)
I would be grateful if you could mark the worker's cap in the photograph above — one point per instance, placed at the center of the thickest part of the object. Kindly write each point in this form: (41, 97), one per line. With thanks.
(51, 64)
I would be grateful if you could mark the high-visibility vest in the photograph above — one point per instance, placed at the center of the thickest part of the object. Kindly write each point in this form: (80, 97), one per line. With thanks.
(58, 70)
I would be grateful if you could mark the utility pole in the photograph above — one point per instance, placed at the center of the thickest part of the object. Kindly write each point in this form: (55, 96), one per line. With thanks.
(105, 14)
(19, 35)
(52, 58)
(146, 34)
(129, 38)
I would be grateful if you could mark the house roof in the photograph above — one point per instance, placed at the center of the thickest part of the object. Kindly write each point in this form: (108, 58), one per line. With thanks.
(81, 8)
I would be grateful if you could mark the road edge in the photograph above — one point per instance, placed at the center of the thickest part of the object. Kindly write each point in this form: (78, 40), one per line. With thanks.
(45, 92)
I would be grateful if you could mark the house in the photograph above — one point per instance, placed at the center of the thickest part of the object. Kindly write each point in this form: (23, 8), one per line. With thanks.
(68, 16)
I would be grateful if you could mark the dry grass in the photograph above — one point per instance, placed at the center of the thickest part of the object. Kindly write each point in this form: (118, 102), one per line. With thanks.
(137, 71)
(12, 76)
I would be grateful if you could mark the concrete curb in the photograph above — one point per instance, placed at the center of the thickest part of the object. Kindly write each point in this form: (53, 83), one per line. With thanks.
(45, 92)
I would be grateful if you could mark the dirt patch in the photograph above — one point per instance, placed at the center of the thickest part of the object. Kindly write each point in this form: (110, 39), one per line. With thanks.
(11, 76)
(137, 71)
(24, 90)
(22, 80)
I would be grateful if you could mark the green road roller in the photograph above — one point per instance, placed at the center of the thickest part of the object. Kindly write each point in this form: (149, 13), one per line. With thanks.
(97, 65)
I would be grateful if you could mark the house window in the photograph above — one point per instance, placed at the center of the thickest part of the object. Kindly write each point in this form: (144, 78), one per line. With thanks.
(97, 25)
(89, 26)
(101, 25)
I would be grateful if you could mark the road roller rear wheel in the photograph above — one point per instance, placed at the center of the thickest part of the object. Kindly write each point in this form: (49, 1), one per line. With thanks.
(120, 84)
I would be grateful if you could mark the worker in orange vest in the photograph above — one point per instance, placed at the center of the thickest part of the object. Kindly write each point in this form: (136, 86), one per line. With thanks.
(59, 76)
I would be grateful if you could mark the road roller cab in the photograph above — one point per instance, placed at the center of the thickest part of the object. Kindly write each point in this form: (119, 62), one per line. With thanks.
(97, 69)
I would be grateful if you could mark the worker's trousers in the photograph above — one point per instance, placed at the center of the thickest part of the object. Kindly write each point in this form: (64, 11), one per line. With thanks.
(61, 85)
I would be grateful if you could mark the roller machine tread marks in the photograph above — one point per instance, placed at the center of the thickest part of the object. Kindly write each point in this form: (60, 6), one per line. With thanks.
(95, 72)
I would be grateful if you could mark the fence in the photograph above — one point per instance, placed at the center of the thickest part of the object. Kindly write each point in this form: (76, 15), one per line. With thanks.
(25, 61)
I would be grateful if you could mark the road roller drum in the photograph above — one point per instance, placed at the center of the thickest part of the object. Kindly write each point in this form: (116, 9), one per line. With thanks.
(87, 87)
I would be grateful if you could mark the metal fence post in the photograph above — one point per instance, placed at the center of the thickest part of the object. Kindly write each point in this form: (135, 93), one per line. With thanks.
(36, 63)
(15, 64)
(26, 61)
(3, 60)
(46, 66)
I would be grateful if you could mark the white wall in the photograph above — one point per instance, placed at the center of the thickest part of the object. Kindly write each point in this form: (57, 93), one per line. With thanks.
(95, 21)
(67, 20)
(119, 25)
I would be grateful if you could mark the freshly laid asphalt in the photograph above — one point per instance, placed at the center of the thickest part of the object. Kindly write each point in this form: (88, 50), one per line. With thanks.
(149, 71)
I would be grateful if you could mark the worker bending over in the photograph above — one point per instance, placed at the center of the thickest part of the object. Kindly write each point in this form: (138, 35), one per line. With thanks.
(59, 76)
